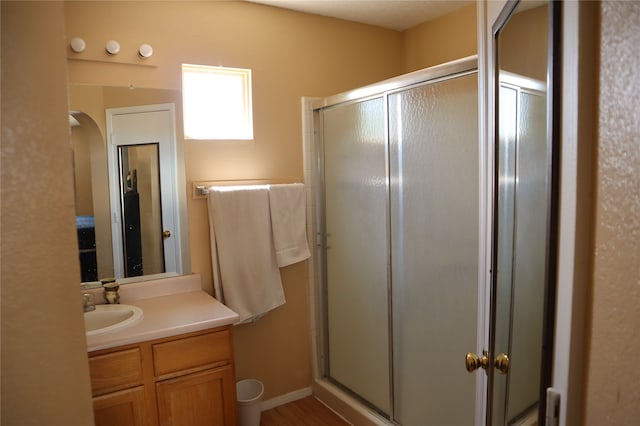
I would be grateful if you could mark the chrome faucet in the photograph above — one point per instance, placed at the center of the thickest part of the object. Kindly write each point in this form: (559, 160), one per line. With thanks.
(89, 305)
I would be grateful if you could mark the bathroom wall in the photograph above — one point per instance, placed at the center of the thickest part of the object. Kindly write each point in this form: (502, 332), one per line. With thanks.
(444, 39)
(613, 380)
(45, 373)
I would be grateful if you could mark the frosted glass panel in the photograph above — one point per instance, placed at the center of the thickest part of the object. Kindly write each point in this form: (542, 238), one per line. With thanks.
(356, 256)
(505, 219)
(529, 255)
(434, 250)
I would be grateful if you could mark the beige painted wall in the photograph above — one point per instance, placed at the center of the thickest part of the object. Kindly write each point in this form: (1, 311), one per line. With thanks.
(443, 39)
(613, 378)
(45, 373)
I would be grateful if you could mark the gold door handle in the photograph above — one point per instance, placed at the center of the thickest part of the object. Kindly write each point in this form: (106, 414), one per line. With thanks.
(473, 361)
(166, 234)
(502, 363)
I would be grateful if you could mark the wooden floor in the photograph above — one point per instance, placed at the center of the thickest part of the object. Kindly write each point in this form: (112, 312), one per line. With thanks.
(303, 412)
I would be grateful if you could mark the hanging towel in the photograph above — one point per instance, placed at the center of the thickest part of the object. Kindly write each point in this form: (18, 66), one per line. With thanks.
(246, 274)
(288, 222)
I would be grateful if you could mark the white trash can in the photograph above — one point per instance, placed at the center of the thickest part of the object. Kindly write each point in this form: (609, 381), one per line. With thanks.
(249, 393)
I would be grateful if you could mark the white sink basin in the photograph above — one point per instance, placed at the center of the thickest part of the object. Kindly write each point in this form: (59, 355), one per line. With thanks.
(109, 318)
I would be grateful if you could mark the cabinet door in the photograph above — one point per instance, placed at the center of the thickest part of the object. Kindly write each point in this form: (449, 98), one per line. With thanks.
(200, 399)
(123, 408)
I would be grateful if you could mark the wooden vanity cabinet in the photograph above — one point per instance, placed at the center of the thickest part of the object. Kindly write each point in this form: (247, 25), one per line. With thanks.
(185, 380)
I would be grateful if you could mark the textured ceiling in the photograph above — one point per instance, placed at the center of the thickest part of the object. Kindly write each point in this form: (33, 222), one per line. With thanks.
(397, 15)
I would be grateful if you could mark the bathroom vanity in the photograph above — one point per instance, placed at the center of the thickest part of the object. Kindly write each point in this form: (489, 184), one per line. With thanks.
(173, 367)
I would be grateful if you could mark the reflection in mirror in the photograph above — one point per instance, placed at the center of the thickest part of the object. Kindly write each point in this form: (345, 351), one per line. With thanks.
(522, 214)
(91, 183)
(142, 216)
(91, 171)
(522, 211)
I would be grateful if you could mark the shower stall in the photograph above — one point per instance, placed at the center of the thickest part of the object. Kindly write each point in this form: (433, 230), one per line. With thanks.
(396, 214)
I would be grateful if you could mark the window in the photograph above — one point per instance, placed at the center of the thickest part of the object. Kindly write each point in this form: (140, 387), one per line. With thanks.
(216, 102)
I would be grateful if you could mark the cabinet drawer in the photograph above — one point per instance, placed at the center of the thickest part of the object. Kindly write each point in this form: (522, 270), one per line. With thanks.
(114, 371)
(192, 353)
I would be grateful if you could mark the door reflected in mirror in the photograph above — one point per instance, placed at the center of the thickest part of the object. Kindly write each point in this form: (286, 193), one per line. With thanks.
(139, 171)
(97, 218)
(523, 211)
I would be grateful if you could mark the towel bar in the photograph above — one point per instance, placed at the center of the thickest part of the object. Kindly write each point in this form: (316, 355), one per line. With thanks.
(201, 188)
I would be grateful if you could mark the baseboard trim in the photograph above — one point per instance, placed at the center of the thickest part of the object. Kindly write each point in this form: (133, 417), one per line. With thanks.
(286, 398)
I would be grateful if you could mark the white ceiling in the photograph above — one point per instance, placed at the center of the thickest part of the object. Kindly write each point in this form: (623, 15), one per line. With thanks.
(397, 15)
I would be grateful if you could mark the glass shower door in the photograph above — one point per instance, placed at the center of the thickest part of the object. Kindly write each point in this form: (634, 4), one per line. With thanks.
(357, 250)
(434, 197)
(400, 174)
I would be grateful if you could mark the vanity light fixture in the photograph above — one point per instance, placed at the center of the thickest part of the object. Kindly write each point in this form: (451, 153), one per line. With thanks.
(77, 44)
(145, 51)
(112, 47)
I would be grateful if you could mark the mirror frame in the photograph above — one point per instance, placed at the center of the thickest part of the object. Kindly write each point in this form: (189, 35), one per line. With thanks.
(554, 75)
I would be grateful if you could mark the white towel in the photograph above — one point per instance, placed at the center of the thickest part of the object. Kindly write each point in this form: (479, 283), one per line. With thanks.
(246, 274)
(288, 222)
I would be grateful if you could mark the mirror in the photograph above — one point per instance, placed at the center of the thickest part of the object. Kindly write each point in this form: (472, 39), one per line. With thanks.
(524, 234)
(133, 225)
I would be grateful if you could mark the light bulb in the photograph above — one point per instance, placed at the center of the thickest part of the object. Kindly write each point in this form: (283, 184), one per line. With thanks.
(145, 51)
(77, 44)
(112, 47)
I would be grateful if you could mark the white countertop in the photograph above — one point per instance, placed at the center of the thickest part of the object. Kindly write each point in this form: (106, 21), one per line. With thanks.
(189, 309)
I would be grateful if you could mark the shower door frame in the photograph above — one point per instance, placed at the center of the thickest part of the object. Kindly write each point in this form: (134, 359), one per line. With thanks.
(384, 89)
